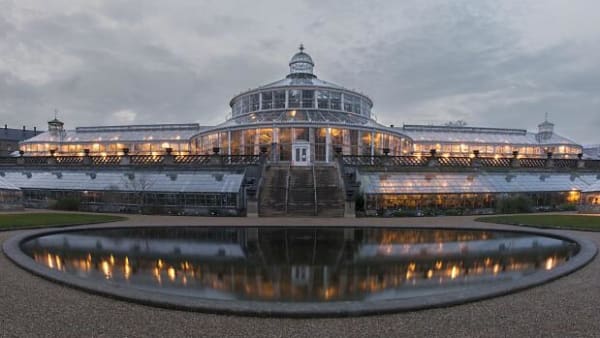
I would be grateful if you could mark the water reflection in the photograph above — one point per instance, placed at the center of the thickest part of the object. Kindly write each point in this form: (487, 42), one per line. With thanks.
(298, 264)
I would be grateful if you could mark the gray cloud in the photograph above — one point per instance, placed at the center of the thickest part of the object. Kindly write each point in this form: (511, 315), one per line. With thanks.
(492, 64)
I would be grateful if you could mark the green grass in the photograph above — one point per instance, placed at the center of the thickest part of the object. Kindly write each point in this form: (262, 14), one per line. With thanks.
(32, 220)
(574, 222)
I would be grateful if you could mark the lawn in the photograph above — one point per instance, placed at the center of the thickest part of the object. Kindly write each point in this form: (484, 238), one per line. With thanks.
(31, 220)
(575, 222)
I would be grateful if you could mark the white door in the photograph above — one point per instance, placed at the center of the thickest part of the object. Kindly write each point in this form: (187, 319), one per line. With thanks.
(300, 154)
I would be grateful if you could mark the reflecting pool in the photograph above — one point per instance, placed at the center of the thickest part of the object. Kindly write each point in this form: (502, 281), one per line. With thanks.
(284, 264)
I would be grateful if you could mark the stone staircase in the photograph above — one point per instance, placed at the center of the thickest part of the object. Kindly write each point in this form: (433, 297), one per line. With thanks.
(273, 192)
(301, 200)
(301, 191)
(330, 192)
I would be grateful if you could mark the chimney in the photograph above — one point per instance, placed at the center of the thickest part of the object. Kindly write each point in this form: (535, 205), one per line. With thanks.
(5, 126)
(23, 129)
(35, 130)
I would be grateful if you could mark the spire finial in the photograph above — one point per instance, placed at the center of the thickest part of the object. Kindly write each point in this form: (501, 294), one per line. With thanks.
(301, 48)
(546, 117)
(55, 113)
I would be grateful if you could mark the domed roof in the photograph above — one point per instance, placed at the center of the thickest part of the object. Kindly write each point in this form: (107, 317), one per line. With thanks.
(301, 63)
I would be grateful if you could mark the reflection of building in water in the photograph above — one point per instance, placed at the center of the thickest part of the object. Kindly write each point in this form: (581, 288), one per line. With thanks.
(298, 264)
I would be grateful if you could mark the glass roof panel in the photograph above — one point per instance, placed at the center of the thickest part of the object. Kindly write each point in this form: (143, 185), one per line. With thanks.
(432, 183)
(212, 182)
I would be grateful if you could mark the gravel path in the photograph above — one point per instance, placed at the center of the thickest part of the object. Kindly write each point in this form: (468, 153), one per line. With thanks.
(31, 306)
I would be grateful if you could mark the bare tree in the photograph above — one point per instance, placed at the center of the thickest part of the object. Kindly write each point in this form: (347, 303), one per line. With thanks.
(139, 185)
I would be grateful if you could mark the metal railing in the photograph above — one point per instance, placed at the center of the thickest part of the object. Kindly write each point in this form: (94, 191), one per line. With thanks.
(464, 162)
(131, 160)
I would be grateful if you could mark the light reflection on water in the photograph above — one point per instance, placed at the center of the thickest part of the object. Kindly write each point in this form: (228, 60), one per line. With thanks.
(298, 264)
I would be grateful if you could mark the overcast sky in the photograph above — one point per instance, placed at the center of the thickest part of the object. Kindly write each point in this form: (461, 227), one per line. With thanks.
(490, 63)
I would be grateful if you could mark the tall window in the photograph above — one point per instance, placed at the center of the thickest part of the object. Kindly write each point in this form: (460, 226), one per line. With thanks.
(336, 101)
(267, 100)
(294, 98)
(254, 102)
(308, 98)
(323, 99)
(279, 99)
(245, 104)
(320, 144)
(348, 99)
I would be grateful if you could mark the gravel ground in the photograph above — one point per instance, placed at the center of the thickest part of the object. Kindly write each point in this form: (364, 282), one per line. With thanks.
(31, 306)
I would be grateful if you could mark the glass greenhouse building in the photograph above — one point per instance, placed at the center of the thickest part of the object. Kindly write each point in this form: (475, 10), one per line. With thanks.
(301, 119)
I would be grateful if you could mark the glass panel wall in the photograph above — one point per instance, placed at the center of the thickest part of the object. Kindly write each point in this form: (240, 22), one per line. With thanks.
(265, 138)
(365, 143)
(250, 142)
(236, 142)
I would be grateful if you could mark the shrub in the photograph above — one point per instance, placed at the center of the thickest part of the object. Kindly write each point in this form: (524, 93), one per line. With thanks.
(359, 203)
(513, 205)
(66, 203)
(567, 207)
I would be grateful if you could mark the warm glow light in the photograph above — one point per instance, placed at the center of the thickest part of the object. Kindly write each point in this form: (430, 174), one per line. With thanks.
(429, 273)
(50, 262)
(438, 265)
(293, 113)
(159, 264)
(157, 275)
(454, 272)
(496, 268)
(127, 268)
(112, 260)
(105, 266)
(550, 263)
(171, 273)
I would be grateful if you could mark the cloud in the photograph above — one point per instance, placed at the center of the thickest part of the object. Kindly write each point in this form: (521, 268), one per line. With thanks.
(124, 116)
(488, 62)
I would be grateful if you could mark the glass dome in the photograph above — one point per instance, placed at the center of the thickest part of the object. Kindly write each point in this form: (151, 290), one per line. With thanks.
(301, 63)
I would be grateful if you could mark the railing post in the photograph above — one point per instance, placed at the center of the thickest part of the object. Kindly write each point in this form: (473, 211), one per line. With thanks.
(21, 159)
(580, 161)
(50, 160)
(433, 161)
(549, 160)
(125, 159)
(476, 161)
(515, 162)
(215, 158)
(169, 159)
(87, 160)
